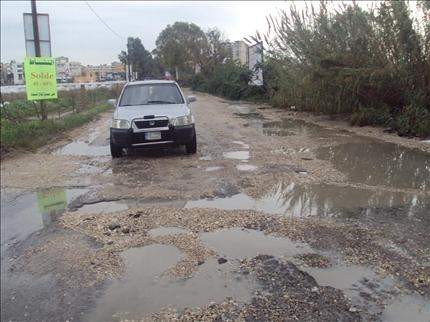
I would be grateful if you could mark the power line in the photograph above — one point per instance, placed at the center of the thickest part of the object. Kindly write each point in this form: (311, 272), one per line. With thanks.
(103, 22)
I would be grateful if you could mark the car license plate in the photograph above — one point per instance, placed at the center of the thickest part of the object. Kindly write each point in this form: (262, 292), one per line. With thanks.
(153, 136)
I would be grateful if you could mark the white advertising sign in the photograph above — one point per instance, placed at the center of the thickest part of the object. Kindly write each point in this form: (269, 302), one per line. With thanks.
(44, 35)
(255, 56)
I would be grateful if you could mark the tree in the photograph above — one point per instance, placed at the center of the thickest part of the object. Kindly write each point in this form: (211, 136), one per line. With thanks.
(140, 58)
(180, 45)
(214, 52)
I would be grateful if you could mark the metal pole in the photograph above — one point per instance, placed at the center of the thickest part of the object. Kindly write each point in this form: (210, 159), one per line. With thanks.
(37, 48)
(35, 28)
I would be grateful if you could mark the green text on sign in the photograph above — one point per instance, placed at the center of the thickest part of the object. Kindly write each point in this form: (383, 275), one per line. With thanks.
(40, 78)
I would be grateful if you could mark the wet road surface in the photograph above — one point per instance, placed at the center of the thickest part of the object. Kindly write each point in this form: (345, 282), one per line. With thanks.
(274, 217)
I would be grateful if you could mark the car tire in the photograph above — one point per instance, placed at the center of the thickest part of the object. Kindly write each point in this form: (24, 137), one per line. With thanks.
(191, 147)
(115, 150)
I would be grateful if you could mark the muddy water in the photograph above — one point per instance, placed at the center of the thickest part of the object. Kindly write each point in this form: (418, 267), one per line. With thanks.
(95, 144)
(240, 243)
(321, 200)
(145, 289)
(25, 214)
(378, 163)
(407, 308)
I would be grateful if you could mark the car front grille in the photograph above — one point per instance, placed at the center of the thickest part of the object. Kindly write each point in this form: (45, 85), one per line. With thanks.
(148, 124)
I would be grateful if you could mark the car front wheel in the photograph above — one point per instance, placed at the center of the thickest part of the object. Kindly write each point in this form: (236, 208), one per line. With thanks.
(192, 146)
(115, 150)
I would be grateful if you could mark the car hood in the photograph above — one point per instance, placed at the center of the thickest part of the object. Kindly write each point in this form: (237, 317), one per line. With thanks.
(139, 111)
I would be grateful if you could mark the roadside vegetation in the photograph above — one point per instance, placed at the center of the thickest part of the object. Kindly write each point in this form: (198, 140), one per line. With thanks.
(371, 65)
(24, 127)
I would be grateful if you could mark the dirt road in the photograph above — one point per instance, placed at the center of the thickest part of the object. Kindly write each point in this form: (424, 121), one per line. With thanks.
(279, 216)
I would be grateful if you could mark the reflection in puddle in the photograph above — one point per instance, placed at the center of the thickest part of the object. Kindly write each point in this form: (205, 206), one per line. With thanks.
(241, 243)
(237, 155)
(31, 212)
(166, 231)
(380, 164)
(246, 167)
(407, 308)
(144, 288)
(322, 200)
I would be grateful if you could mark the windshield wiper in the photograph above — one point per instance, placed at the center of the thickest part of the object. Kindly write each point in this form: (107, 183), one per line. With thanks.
(159, 102)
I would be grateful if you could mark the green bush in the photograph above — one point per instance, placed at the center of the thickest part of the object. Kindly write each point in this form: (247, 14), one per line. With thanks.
(32, 134)
(373, 64)
(379, 116)
(229, 80)
(413, 120)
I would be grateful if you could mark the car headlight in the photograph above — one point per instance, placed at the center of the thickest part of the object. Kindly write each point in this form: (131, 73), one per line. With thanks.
(182, 120)
(120, 124)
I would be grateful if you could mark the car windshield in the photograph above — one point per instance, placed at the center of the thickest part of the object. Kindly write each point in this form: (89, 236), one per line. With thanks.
(149, 94)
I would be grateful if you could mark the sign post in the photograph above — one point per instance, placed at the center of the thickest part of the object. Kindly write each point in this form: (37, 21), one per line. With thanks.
(39, 66)
(40, 78)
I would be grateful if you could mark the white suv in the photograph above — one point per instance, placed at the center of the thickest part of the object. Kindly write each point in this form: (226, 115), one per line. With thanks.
(152, 113)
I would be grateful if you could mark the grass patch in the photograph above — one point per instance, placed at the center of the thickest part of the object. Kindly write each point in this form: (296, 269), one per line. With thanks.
(35, 133)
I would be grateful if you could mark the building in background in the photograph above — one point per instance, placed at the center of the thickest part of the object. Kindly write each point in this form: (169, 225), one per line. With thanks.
(6, 77)
(76, 69)
(86, 76)
(239, 52)
(17, 71)
(67, 71)
(63, 69)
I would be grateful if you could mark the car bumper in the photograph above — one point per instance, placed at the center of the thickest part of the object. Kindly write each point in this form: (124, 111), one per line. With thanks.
(126, 138)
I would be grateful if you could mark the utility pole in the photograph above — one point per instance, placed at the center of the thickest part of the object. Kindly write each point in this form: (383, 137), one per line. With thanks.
(37, 49)
(35, 28)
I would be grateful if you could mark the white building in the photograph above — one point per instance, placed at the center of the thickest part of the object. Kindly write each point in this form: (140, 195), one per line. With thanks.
(17, 70)
(63, 69)
(239, 52)
(76, 68)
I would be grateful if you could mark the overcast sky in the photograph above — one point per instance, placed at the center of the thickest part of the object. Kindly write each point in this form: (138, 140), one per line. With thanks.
(78, 34)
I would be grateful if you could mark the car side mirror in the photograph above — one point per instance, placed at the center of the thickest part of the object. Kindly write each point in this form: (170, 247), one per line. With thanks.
(112, 102)
(191, 98)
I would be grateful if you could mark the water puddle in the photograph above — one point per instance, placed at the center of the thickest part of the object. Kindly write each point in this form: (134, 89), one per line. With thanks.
(240, 243)
(288, 127)
(144, 289)
(246, 167)
(407, 308)
(236, 155)
(31, 212)
(167, 231)
(321, 200)
(359, 283)
(245, 111)
(377, 163)
(211, 169)
(95, 144)
(83, 148)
